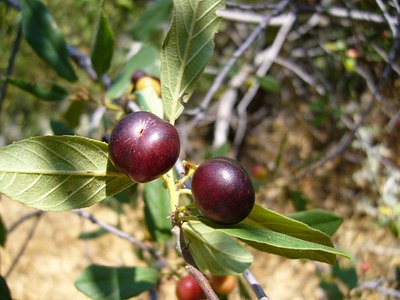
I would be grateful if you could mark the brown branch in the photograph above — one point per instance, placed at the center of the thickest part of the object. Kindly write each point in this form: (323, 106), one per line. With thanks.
(123, 235)
(255, 285)
(191, 265)
(24, 246)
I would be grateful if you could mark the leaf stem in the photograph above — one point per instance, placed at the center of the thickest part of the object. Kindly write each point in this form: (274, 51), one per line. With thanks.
(173, 192)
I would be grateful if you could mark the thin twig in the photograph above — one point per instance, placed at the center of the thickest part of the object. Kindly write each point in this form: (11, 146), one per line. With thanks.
(375, 96)
(191, 265)
(10, 67)
(203, 282)
(24, 218)
(375, 285)
(123, 235)
(235, 56)
(255, 285)
(268, 58)
(23, 247)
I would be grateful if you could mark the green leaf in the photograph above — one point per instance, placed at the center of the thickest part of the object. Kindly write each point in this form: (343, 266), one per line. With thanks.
(143, 60)
(268, 219)
(347, 275)
(92, 234)
(41, 32)
(148, 100)
(282, 244)
(5, 293)
(332, 290)
(103, 46)
(74, 112)
(111, 283)
(60, 128)
(214, 250)
(59, 172)
(152, 19)
(269, 84)
(55, 93)
(156, 210)
(319, 219)
(3, 233)
(186, 50)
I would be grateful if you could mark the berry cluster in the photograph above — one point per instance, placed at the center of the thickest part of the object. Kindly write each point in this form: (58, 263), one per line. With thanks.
(145, 147)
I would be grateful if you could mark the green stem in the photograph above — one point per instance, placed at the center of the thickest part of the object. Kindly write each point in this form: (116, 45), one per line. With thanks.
(173, 193)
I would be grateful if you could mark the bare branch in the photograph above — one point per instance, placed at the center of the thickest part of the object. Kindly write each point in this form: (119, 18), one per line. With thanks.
(255, 285)
(239, 51)
(123, 235)
(267, 58)
(24, 246)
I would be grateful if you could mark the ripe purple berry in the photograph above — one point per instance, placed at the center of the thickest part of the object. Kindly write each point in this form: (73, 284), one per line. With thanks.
(144, 146)
(223, 190)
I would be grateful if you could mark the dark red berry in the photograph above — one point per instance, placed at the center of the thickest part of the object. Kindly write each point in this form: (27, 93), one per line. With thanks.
(137, 75)
(188, 289)
(223, 190)
(144, 146)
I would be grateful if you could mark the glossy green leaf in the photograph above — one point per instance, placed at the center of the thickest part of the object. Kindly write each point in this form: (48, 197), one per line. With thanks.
(215, 251)
(112, 283)
(42, 34)
(269, 84)
(282, 244)
(322, 220)
(152, 19)
(59, 172)
(55, 93)
(145, 59)
(156, 209)
(3, 233)
(186, 50)
(5, 293)
(103, 46)
(268, 219)
(148, 100)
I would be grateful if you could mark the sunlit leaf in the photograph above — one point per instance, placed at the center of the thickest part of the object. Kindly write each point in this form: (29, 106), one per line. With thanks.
(215, 251)
(59, 172)
(322, 220)
(103, 47)
(115, 283)
(148, 100)
(186, 50)
(282, 244)
(42, 33)
(55, 93)
(271, 220)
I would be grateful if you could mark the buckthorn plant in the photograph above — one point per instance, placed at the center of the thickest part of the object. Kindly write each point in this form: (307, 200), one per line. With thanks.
(158, 127)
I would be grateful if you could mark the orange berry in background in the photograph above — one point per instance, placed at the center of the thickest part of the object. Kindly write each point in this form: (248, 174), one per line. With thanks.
(147, 81)
(223, 284)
